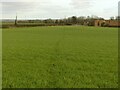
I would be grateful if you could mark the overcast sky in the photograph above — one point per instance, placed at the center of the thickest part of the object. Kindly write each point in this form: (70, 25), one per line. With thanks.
(43, 9)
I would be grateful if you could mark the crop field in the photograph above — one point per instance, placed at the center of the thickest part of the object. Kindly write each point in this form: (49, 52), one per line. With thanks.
(60, 57)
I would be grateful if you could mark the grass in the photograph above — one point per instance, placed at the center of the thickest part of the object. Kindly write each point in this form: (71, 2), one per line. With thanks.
(0, 58)
(60, 57)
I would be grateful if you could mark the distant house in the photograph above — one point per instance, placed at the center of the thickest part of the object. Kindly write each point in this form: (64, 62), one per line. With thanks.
(108, 23)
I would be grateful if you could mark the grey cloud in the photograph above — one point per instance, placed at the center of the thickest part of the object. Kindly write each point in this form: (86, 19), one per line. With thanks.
(10, 7)
(81, 4)
(32, 9)
(50, 8)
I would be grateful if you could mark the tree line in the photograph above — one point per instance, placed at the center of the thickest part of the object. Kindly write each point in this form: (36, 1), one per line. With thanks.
(74, 20)
(66, 21)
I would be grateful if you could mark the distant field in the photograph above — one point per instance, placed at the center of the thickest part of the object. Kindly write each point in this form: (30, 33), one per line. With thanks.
(11, 24)
(60, 57)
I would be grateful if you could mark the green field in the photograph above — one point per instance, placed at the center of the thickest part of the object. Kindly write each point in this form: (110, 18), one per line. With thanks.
(60, 57)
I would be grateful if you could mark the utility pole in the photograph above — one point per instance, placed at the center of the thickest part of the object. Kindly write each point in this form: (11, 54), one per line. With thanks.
(16, 20)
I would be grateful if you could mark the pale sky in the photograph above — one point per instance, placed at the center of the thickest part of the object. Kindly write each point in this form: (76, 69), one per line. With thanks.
(42, 9)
